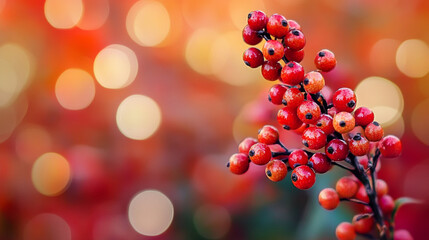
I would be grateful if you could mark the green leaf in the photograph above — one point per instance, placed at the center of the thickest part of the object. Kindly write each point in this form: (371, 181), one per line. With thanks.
(402, 201)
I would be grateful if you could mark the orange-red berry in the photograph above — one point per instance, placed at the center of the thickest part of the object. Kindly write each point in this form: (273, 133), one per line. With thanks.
(387, 204)
(337, 150)
(346, 187)
(381, 187)
(268, 134)
(273, 50)
(313, 82)
(390, 146)
(293, 97)
(260, 154)
(320, 163)
(308, 112)
(250, 36)
(244, 146)
(294, 55)
(374, 132)
(294, 24)
(363, 225)
(325, 60)
(329, 199)
(295, 39)
(276, 170)
(313, 138)
(363, 116)
(238, 163)
(292, 73)
(275, 95)
(277, 26)
(361, 194)
(345, 231)
(257, 20)
(253, 57)
(325, 124)
(303, 177)
(288, 118)
(344, 100)
(343, 122)
(271, 70)
(358, 145)
(297, 158)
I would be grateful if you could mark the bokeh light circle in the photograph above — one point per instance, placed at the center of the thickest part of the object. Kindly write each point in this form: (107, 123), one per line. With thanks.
(47, 226)
(150, 212)
(75, 89)
(198, 50)
(94, 15)
(420, 120)
(239, 8)
(412, 58)
(63, 14)
(212, 221)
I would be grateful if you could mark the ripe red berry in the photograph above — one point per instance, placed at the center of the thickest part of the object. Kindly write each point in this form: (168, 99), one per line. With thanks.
(295, 39)
(292, 73)
(244, 146)
(260, 154)
(294, 25)
(343, 122)
(271, 70)
(275, 95)
(328, 199)
(313, 82)
(344, 100)
(253, 57)
(292, 98)
(361, 194)
(314, 138)
(358, 145)
(363, 225)
(381, 187)
(309, 112)
(268, 135)
(402, 234)
(325, 124)
(390, 146)
(277, 26)
(273, 50)
(303, 177)
(320, 163)
(374, 132)
(363, 116)
(294, 55)
(288, 118)
(363, 160)
(325, 60)
(250, 36)
(337, 150)
(276, 170)
(238, 163)
(387, 204)
(297, 158)
(346, 187)
(345, 231)
(257, 20)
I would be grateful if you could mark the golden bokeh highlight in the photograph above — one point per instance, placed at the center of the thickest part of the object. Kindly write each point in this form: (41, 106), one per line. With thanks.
(75, 89)
(150, 212)
(47, 226)
(382, 55)
(138, 117)
(63, 14)
(94, 15)
(198, 50)
(383, 97)
(412, 58)
(420, 120)
(212, 221)
(51, 174)
(239, 9)
(148, 23)
(115, 66)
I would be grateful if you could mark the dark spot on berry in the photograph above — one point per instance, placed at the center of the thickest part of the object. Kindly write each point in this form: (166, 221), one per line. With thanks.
(286, 127)
(251, 153)
(306, 81)
(227, 165)
(310, 164)
(308, 116)
(376, 123)
(295, 32)
(269, 174)
(271, 51)
(269, 98)
(319, 124)
(330, 150)
(351, 103)
(296, 165)
(247, 63)
(284, 23)
(249, 15)
(291, 65)
(284, 102)
(342, 124)
(357, 137)
(294, 177)
(305, 143)
(321, 54)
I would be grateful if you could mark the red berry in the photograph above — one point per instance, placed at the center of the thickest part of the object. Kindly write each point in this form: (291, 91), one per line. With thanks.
(273, 50)
(363, 160)
(295, 39)
(253, 57)
(345, 231)
(381, 187)
(313, 82)
(343, 122)
(276, 170)
(288, 118)
(346, 187)
(337, 150)
(363, 225)
(374, 132)
(294, 25)
(314, 138)
(276, 93)
(293, 97)
(402, 234)
(250, 36)
(268, 135)
(361, 194)
(328, 199)
(260, 154)
(344, 100)
(390, 146)
(271, 70)
(363, 116)
(277, 26)
(294, 55)
(325, 60)
(257, 20)
(320, 163)
(297, 158)
(244, 146)
(238, 163)
(292, 73)
(325, 124)
(358, 145)
(303, 177)
(387, 204)
(309, 112)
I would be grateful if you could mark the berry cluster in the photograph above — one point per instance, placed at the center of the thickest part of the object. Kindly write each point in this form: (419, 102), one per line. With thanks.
(333, 132)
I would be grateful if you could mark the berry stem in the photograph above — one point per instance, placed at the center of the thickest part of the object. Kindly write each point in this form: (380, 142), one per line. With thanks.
(286, 152)
(354, 201)
(315, 98)
(342, 166)
(265, 35)
(276, 154)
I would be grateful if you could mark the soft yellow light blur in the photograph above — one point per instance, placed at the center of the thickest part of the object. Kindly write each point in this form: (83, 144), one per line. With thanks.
(63, 14)
(383, 97)
(94, 15)
(8, 121)
(198, 52)
(239, 9)
(47, 226)
(420, 120)
(150, 212)
(75, 89)
(138, 117)
(383, 54)
(50, 174)
(115, 66)
(412, 58)
(32, 141)
(148, 23)
(8, 83)
(212, 221)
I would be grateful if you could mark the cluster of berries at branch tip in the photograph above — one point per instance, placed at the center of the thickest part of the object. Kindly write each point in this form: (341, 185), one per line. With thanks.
(333, 132)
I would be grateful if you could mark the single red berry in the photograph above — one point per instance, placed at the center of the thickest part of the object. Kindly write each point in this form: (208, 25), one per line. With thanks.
(346, 187)
(381, 187)
(303, 177)
(288, 118)
(297, 158)
(260, 154)
(292, 73)
(273, 50)
(344, 99)
(343, 122)
(276, 170)
(320, 163)
(277, 26)
(314, 138)
(363, 116)
(374, 132)
(294, 24)
(337, 150)
(250, 36)
(309, 112)
(345, 231)
(358, 145)
(253, 57)
(387, 204)
(329, 199)
(271, 70)
(244, 146)
(257, 20)
(361, 194)
(363, 160)
(268, 135)
(325, 60)
(363, 225)
(313, 82)
(390, 146)
(402, 234)
(325, 124)
(275, 95)
(295, 39)
(294, 55)
(293, 97)
(238, 163)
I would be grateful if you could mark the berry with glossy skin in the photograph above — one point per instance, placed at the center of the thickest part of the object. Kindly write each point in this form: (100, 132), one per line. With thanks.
(337, 150)
(253, 57)
(295, 39)
(402, 234)
(325, 124)
(361, 194)
(309, 112)
(381, 187)
(271, 70)
(277, 26)
(325, 60)
(292, 73)
(320, 163)
(275, 95)
(344, 100)
(288, 118)
(292, 98)
(358, 145)
(260, 154)
(346, 187)
(390, 146)
(345, 231)
(363, 225)
(313, 82)
(244, 146)
(276, 170)
(328, 199)
(294, 55)
(387, 204)
(268, 135)
(250, 36)
(374, 132)
(313, 138)
(257, 20)
(297, 158)
(273, 50)
(294, 25)
(343, 122)
(303, 177)
(238, 163)
(363, 116)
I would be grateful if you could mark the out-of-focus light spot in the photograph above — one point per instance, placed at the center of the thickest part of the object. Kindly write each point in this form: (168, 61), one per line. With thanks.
(412, 58)
(75, 89)
(32, 141)
(8, 84)
(148, 23)
(198, 51)
(383, 97)
(47, 226)
(417, 174)
(63, 14)
(150, 212)
(50, 174)
(94, 15)
(420, 120)
(239, 9)
(212, 221)
(8, 121)
(115, 66)
(383, 54)
(138, 117)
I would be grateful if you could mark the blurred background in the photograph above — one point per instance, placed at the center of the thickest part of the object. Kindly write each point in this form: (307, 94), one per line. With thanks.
(117, 117)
